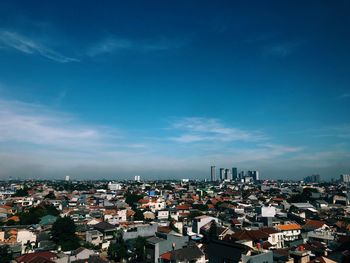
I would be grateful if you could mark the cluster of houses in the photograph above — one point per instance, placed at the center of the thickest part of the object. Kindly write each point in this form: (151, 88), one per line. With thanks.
(182, 221)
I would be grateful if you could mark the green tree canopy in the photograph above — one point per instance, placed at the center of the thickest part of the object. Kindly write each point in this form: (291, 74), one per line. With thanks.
(139, 246)
(63, 233)
(35, 213)
(5, 254)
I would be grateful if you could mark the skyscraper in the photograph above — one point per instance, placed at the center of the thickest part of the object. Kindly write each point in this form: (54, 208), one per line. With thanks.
(222, 174)
(234, 173)
(254, 175)
(345, 178)
(228, 174)
(212, 173)
(315, 178)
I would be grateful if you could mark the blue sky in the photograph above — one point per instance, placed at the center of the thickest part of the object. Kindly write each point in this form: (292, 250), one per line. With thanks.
(165, 89)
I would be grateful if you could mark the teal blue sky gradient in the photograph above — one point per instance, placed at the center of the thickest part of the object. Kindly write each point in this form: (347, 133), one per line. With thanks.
(165, 89)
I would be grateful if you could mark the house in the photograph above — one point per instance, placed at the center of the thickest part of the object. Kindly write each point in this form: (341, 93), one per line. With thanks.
(115, 216)
(253, 256)
(249, 238)
(42, 257)
(162, 214)
(162, 243)
(312, 225)
(320, 204)
(317, 230)
(108, 230)
(291, 231)
(27, 239)
(148, 215)
(200, 221)
(81, 254)
(142, 230)
(94, 237)
(183, 255)
(275, 237)
(225, 251)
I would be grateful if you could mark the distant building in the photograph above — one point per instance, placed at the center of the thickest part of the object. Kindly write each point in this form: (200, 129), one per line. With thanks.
(137, 178)
(234, 173)
(212, 174)
(241, 175)
(222, 174)
(67, 178)
(114, 186)
(315, 178)
(345, 178)
(228, 174)
(254, 175)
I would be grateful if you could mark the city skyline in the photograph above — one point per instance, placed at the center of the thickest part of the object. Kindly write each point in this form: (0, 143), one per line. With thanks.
(166, 90)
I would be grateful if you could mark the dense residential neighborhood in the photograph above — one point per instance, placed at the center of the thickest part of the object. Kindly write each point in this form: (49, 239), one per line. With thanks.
(174, 221)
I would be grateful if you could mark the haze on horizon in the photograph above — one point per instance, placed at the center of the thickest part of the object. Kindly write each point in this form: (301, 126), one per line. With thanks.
(165, 89)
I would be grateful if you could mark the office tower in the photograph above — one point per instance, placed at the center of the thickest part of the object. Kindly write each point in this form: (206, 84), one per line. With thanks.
(241, 175)
(254, 175)
(345, 178)
(67, 178)
(222, 174)
(114, 186)
(212, 173)
(315, 178)
(228, 174)
(234, 173)
(137, 178)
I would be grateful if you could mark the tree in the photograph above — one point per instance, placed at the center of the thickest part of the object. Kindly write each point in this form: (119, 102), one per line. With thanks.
(50, 195)
(5, 254)
(35, 213)
(63, 233)
(138, 215)
(21, 192)
(213, 230)
(118, 251)
(130, 198)
(194, 214)
(112, 251)
(139, 246)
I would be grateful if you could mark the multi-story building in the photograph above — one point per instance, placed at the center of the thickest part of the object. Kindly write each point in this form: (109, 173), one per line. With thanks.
(212, 173)
(222, 174)
(291, 231)
(234, 173)
(345, 178)
(228, 175)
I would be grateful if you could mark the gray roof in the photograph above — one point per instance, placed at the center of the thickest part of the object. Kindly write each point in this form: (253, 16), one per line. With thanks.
(154, 240)
(186, 254)
(302, 205)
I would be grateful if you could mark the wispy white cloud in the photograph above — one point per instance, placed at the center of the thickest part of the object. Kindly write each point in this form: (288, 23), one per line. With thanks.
(208, 129)
(344, 96)
(114, 44)
(14, 40)
(340, 131)
(35, 139)
(281, 50)
(35, 124)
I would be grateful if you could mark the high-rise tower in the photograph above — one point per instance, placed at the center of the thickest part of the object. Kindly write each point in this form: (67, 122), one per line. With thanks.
(212, 173)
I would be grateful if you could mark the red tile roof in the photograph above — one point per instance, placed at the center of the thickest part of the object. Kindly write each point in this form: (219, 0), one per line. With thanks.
(287, 227)
(182, 207)
(166, 256)
(44, 257)
(313, 224)
(251, 235)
